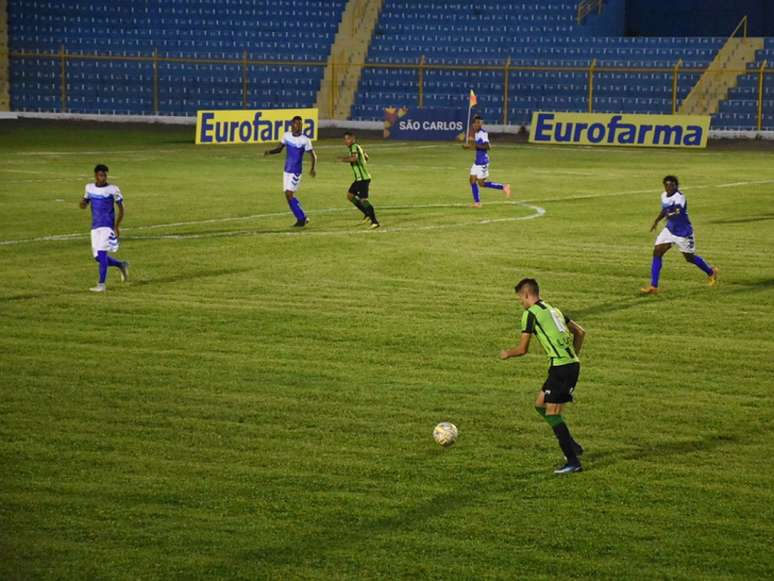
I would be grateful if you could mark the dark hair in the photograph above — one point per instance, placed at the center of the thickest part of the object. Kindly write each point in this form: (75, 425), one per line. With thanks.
(101, 167)
(298, 117)
(477, 117)
(349, 133)
(671, 179)
(528, 284)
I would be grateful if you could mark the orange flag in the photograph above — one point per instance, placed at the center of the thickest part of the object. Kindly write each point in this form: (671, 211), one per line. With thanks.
(473, 99)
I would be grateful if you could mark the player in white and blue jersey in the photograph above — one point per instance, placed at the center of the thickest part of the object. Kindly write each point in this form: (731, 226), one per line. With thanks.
(678, 232)
(105, 226)
(479, 171)
(297, 145)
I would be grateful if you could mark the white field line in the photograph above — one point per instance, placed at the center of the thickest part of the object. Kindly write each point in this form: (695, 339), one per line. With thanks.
(539, 211)
(205, 148)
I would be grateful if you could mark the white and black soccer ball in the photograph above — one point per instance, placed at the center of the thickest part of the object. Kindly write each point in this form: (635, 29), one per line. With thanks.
(445, 434)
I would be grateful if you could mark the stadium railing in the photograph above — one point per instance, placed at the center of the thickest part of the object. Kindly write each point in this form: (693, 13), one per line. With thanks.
(586, 7)
(592, 70)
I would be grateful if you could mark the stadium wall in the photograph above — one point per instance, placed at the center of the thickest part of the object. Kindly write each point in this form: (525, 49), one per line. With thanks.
(697, 17)
(327, 124)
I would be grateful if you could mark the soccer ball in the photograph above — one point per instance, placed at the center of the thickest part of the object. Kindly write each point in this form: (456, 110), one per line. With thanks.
(445, 434)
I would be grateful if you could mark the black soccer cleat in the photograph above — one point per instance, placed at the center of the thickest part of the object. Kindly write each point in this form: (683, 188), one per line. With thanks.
(301, 223)
(569, 469)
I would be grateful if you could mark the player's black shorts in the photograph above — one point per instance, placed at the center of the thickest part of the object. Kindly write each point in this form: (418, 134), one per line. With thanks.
(360, 188)
(561, 383)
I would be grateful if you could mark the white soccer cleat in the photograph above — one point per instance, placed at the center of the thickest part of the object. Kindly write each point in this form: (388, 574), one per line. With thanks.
(100, 288)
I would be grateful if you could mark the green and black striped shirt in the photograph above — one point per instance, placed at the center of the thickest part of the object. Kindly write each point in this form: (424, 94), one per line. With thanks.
(359, 166)
(550, 326)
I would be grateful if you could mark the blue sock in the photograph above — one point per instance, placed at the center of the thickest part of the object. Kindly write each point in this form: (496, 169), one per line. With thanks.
(493, 185)
(474, 189)
(295, 207)
(699, 261)
(113, 262)
(102, 259)
(655, 270)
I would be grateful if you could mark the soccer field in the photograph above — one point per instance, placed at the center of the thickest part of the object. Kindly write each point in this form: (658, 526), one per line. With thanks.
(258, 401)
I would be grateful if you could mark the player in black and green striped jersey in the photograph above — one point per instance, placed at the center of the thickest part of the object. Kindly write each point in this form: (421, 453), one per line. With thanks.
(358, 191)
(562, 339)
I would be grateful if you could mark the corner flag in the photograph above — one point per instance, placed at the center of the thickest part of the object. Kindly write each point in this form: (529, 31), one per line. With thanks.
(473, 102)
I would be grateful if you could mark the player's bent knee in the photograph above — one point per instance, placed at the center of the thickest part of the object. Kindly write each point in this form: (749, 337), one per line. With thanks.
(689, 257)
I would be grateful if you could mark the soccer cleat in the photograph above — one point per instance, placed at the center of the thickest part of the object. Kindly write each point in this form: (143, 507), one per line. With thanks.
(375, 225)
(301, 223)
(649, 290)
(713, 278)
(365, 220)
(569, 469)
(124, 269)
(507, 190)
(475, 205)
(100, 288)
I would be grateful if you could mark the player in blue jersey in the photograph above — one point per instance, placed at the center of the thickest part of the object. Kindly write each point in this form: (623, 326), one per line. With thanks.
(678, 232)
(297, 145)
(479, 171)
(105, 226)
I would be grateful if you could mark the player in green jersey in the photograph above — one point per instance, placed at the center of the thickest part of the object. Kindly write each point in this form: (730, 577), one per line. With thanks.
(358, 191)
(562, 339)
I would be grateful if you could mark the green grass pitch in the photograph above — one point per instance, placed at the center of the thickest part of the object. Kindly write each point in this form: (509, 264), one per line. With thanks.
(258, 402)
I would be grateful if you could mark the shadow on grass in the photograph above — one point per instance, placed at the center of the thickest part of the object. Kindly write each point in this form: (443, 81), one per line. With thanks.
(758, 285)
(133, 282)
(188, 276)
(656, 450)
(760, 218)
(609, 307)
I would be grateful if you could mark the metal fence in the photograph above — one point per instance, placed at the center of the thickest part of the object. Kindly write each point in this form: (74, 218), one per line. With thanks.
(596, 76)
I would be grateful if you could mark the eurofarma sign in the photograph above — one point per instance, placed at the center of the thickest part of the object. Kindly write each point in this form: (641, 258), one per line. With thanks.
(426, 123)
(620, 130)
(243, 126)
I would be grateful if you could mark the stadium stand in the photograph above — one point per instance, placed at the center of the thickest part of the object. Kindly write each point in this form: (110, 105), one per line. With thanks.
(266, 30)
(740, 110)
(5, 99)
(535, 34)
(464, 46)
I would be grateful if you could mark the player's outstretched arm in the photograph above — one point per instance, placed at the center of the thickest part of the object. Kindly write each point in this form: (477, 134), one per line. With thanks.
(274, 151)
(517, 351)
(578, 335)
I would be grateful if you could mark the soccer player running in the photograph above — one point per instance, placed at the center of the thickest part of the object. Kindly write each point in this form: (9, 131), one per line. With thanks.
(358, 191)
(105, 226)
(479, 171)
(678, 232)
(562, 340)
(297, 145)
